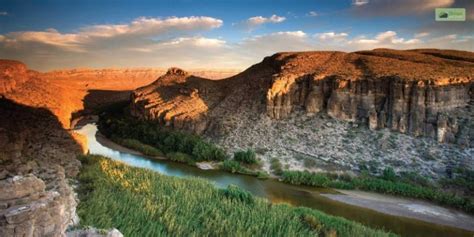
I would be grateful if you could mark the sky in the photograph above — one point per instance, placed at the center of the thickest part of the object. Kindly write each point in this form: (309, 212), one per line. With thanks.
(219, 34)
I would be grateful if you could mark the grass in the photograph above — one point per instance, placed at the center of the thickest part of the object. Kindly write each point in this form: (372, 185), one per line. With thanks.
(140, 202)
(387, 183)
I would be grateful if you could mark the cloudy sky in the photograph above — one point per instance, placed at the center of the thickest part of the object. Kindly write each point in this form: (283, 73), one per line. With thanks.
(216, 34)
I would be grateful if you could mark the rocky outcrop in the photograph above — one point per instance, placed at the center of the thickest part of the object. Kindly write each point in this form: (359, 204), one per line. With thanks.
(36, 160)
(411, 92)
(12, 74)
(91, 232)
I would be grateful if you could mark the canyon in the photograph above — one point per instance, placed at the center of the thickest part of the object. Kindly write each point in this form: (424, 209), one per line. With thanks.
(411, 110)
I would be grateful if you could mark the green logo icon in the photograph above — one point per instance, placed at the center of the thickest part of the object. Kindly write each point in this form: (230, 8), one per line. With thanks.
(450, 14)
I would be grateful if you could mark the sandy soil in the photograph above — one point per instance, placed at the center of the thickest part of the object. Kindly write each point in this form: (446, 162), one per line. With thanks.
(410, 208)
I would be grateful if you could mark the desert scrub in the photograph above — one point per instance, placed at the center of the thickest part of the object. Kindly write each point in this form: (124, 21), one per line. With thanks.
(140, 202)
(387, 183)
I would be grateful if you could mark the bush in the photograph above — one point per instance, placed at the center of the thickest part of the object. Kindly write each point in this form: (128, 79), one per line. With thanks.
(275, 165)
(305, 178)
(181, 157)
(389, 174)
(231, 166)
(247, 157)
(235, 193)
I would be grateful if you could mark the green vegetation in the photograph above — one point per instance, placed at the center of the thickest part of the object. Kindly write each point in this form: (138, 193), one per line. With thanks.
(387, 183)
(181, 157)
(145, 135)
(140, 202)
(247, 157)
(138, 146)
(235, 167)
(463, 179)
(275, 166)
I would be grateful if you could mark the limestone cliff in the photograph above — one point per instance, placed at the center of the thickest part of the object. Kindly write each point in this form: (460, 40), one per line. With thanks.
(410, 92)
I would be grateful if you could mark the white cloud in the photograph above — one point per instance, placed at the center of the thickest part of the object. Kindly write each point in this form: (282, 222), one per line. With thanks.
(312, 14)
(3, 13)
(391, 39)
(153, 42)
(399, 7)
(153, 26)
(138, 31)
(331, 36)
(387, 39)
(422, 35)
(359, 2)
(258, 20)
(253, 22)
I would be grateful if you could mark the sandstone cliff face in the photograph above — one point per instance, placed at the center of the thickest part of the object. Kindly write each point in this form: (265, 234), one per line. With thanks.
(410, 92)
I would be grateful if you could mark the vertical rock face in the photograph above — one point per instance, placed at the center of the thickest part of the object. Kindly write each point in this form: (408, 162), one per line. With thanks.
(380, 92)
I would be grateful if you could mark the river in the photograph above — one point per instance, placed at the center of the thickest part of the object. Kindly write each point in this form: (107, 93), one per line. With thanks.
(352, 206)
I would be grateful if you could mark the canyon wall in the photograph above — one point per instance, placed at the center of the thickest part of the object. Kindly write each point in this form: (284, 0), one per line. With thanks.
(419, 108)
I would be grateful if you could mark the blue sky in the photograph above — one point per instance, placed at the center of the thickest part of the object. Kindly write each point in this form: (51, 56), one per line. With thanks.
(221, 33)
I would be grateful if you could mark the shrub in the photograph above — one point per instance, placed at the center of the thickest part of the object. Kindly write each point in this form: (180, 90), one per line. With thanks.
(389, 174)
(275, 165)
(181, 157)
(235, 193)
(231, 166)
(305, 178)
(247, 157)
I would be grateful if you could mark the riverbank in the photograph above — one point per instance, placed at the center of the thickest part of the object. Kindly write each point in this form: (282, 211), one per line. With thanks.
(140, 202)
(277, 191)
(411, 208)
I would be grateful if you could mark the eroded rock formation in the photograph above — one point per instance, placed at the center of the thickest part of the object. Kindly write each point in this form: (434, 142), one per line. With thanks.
(36, 160)
(410, 92)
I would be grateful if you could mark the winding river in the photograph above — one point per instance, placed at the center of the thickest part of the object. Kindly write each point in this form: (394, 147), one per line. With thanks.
(366, 209)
